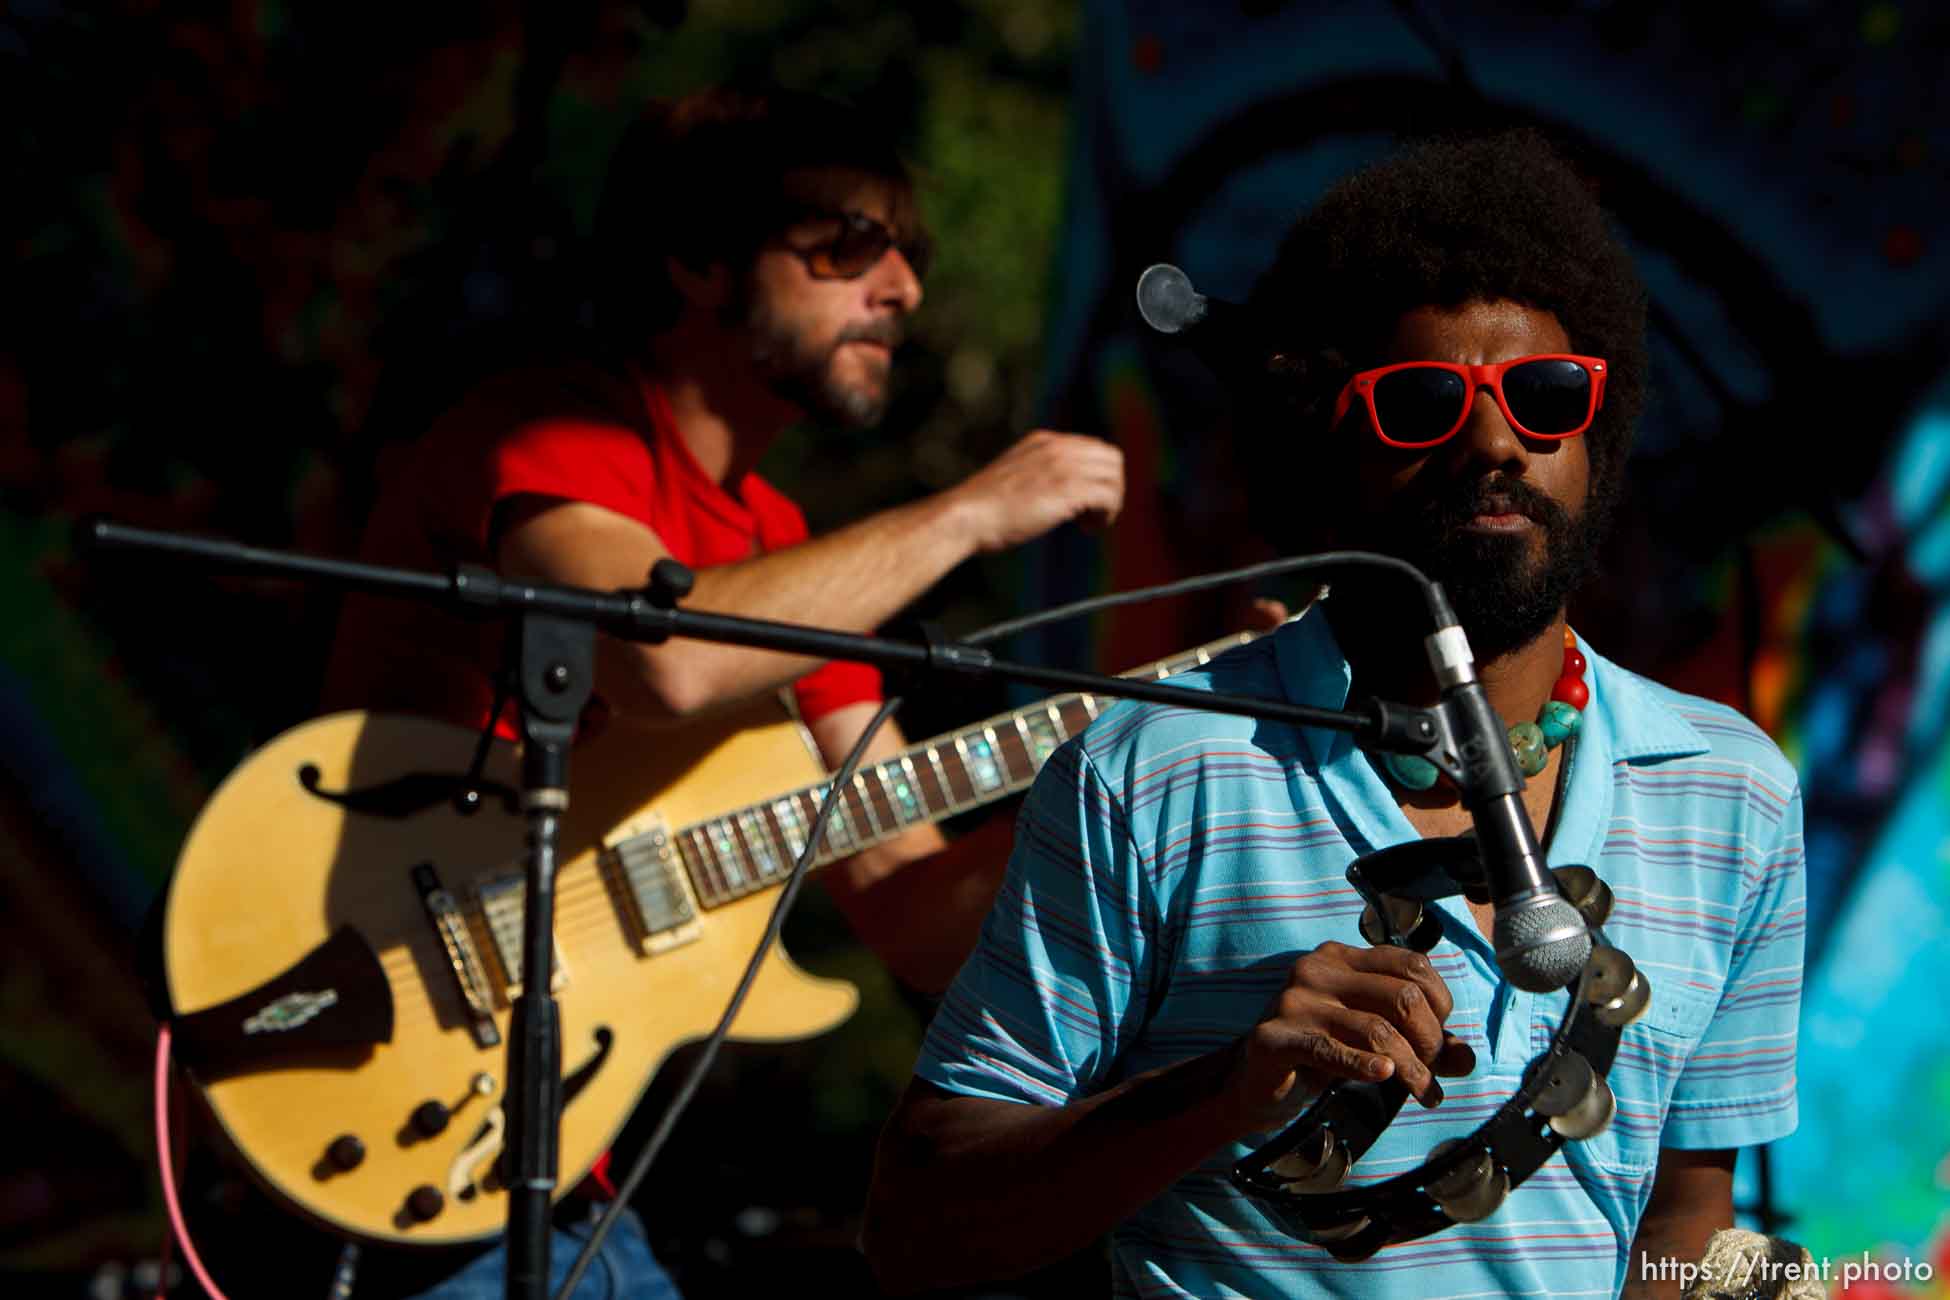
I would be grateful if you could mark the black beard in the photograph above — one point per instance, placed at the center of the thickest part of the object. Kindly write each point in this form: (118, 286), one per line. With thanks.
(800, 372)
(1504, 593)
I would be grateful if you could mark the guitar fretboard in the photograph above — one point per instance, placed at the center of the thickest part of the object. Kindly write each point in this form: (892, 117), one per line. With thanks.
(730, 856)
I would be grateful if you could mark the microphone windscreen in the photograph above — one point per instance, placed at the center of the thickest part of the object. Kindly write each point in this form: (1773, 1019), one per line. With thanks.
(1167, 301)
(1542, 945)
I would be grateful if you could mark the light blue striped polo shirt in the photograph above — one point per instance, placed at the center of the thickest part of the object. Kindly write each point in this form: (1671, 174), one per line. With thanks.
(1170, 864)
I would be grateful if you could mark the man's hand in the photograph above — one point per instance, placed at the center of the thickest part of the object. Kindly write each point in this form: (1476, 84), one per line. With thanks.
(1266, 614)
(1043, 480)
(1345, 1013)
(1018, 1186)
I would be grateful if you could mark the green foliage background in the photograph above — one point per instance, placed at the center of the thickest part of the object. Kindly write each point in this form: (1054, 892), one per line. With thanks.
(235, 230)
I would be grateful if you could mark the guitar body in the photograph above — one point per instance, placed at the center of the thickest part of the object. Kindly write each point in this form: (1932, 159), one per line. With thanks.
(342, 937)
(275, 868)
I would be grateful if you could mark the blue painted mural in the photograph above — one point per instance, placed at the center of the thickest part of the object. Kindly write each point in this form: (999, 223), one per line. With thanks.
(1781, 173)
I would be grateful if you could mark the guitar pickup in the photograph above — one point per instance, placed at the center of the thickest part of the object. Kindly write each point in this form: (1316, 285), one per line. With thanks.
(643, 864)
(445, 915)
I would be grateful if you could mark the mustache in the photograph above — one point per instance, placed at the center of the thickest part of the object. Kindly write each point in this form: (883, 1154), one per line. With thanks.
(887, 331)
(1448, 511)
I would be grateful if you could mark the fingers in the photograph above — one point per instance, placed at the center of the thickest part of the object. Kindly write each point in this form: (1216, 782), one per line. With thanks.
(1265, 614)
(1046, 479)
(1095, 493)
(1352, 1013)
(1381, 1037)
(1456, 1059)
(1403, 1005)
(1328, 963)
(1316, 1052)
(1336, 1042)
(1386, 1001)
(1089, 470)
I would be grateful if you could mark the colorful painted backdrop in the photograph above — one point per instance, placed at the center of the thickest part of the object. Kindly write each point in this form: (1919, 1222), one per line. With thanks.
(254, 244)
(1781, 173)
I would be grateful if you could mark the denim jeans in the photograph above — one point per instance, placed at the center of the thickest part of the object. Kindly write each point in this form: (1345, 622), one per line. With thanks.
(624, 1269)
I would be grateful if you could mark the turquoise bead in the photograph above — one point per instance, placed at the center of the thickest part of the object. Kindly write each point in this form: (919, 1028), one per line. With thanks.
(1528, 740)
(1410, 772)
(1559, 722)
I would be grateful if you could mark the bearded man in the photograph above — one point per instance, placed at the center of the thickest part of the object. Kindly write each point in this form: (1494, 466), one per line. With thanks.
(1173, 965)
(760, 255)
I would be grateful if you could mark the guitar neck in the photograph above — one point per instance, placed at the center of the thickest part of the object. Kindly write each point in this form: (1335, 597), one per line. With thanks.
(750, 848)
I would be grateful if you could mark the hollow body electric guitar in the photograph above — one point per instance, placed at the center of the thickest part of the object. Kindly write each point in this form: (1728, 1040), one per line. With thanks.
(341, 942)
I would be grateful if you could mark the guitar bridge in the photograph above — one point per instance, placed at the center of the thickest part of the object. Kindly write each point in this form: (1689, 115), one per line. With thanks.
(444, 914)
(644, 865)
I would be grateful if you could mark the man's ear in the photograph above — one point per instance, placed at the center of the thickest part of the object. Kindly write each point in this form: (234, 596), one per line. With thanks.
(707, 286)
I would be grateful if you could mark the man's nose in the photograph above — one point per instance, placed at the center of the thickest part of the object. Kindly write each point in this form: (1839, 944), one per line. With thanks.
(894, 282)
(1486, 441)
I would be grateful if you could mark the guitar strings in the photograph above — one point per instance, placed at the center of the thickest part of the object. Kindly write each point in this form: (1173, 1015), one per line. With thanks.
(590, 905)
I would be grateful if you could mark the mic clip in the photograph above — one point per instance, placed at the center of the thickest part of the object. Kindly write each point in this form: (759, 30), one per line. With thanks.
(1461, 736)
(1429, 734)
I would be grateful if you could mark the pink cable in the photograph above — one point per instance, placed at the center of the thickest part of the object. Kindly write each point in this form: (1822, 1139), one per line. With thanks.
(167, 1168)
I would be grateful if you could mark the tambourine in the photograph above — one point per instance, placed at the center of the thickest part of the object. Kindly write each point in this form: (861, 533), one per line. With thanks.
(1563, 1097)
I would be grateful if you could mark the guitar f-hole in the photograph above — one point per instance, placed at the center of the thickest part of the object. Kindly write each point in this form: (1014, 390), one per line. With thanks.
(411, 794)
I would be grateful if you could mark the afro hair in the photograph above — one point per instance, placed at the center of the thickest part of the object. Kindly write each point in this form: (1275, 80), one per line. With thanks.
(1447, 222)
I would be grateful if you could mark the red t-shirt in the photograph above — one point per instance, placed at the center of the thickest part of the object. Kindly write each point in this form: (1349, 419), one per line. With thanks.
(577, 433)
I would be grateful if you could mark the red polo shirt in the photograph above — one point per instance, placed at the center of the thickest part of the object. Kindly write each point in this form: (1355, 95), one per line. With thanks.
(575, 433)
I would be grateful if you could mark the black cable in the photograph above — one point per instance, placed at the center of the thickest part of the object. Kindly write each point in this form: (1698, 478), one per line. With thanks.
(1205, 582)
(800, 869)
(1438, 610)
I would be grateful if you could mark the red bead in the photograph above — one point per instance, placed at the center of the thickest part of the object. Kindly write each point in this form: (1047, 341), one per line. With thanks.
(1572, 691)
(1573, 663)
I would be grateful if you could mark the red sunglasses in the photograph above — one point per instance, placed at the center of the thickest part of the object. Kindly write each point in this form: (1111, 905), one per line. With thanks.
(1416, 404)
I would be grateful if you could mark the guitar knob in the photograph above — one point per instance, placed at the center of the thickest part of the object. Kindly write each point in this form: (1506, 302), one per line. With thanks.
(424, 1203)
(430, 1118)
(346, 1153)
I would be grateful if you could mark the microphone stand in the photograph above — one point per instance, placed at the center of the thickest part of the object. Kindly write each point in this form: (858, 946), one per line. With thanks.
(554, 627)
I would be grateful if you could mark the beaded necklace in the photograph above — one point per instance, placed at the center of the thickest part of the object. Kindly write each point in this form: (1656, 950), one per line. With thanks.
(1532, 741)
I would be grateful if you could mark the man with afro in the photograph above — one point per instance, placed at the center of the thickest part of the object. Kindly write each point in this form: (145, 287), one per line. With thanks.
(1173, 967)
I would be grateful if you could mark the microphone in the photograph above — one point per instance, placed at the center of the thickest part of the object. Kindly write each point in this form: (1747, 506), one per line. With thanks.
(1541, 940)
(1226, 335)
(1167, 301)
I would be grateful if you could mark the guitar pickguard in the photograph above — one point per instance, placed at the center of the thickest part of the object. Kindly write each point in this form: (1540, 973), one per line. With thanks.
(334, 997)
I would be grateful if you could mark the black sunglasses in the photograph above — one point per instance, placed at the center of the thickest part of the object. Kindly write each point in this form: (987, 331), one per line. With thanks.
(857, 244)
